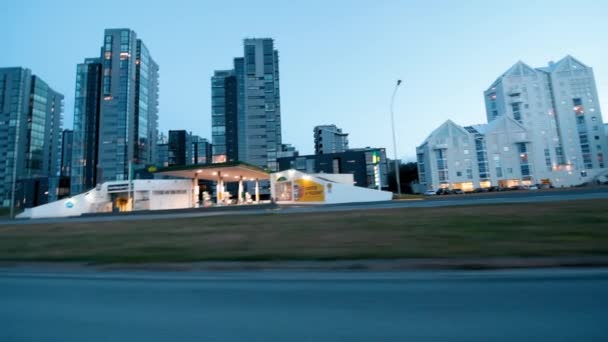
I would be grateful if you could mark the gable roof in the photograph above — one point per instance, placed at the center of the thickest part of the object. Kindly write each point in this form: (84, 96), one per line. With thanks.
(450, 127)
(565, 64)
(518, 69)
(504, 122)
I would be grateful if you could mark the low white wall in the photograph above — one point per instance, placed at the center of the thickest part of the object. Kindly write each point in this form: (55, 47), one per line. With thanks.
(343, 193)
(334, 193)
(344, 178)
(168, 193)
(73, 206)
(162, 194)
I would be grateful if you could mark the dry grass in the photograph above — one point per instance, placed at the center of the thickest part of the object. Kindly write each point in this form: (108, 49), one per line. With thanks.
(547, 229)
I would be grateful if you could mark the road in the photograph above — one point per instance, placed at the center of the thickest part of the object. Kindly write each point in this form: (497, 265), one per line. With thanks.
(435, 201)
(530, 305)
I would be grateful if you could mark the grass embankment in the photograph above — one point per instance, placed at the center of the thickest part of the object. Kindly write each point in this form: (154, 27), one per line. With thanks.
(578, 228)
(407, 197)
(5, 212)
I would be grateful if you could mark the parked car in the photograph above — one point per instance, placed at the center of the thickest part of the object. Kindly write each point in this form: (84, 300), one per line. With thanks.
(481, 190)
(429, 193)
(457, 192)
(443, 192)
(533, 187)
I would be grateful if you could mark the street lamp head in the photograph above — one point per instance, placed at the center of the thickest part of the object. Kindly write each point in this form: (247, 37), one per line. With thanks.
(398, 82)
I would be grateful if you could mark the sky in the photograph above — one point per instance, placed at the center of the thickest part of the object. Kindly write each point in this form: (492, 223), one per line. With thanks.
(339, 60)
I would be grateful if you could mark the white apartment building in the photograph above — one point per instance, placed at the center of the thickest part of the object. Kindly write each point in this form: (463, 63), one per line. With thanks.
(544, 126)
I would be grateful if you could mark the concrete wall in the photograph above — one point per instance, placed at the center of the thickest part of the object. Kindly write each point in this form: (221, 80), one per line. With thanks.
(333, 192)
(150, 194)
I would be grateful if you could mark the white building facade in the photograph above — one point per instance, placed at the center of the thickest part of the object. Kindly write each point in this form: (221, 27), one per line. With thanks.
(544, 127)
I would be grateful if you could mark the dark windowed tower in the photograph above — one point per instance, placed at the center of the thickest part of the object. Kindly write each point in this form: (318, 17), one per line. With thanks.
(179, 148)
(86, 126)
(224, 118)
(201, 150)
(67, 141)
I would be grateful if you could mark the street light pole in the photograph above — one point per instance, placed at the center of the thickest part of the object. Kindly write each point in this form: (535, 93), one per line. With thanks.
(394, 138)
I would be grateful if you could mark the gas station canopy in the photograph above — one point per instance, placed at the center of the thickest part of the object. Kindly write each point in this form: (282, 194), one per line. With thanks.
(229, 172)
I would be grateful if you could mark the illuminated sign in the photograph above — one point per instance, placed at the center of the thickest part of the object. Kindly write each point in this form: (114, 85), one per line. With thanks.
(375, 157)
(118, 187)
(377, 175)
(306, 190)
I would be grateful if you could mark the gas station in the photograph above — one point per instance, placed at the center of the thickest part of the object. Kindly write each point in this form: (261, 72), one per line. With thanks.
(221, 174)
(177, 187)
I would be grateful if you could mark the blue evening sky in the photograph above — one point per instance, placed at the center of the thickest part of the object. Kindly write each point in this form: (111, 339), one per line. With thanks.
(338, 59)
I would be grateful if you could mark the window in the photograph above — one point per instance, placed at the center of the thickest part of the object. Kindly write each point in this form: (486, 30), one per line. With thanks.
(517, 112)
(336, 165)
(580, 120)
(442, 166)
(521, 147)
(579, 109)
(301, 164)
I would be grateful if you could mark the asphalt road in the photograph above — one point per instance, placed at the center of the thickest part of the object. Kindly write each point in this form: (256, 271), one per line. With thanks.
(434, 201)
(531, 305)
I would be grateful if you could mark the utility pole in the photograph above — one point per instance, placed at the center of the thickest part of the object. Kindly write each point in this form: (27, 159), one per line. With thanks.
(395, 139)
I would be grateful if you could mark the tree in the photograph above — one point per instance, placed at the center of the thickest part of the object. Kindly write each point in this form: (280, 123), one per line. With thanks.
(407, 174)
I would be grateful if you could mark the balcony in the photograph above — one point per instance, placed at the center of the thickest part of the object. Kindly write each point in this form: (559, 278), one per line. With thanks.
(515, 99)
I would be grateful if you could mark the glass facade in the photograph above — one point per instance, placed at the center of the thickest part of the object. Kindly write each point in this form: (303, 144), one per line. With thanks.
(30, 138)
(67, 141)
(36, 129)
(146, 113)
(246, 119)
(218, 115)
(115, 112)
(201, 150)
(180, 148)
(86, 126)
